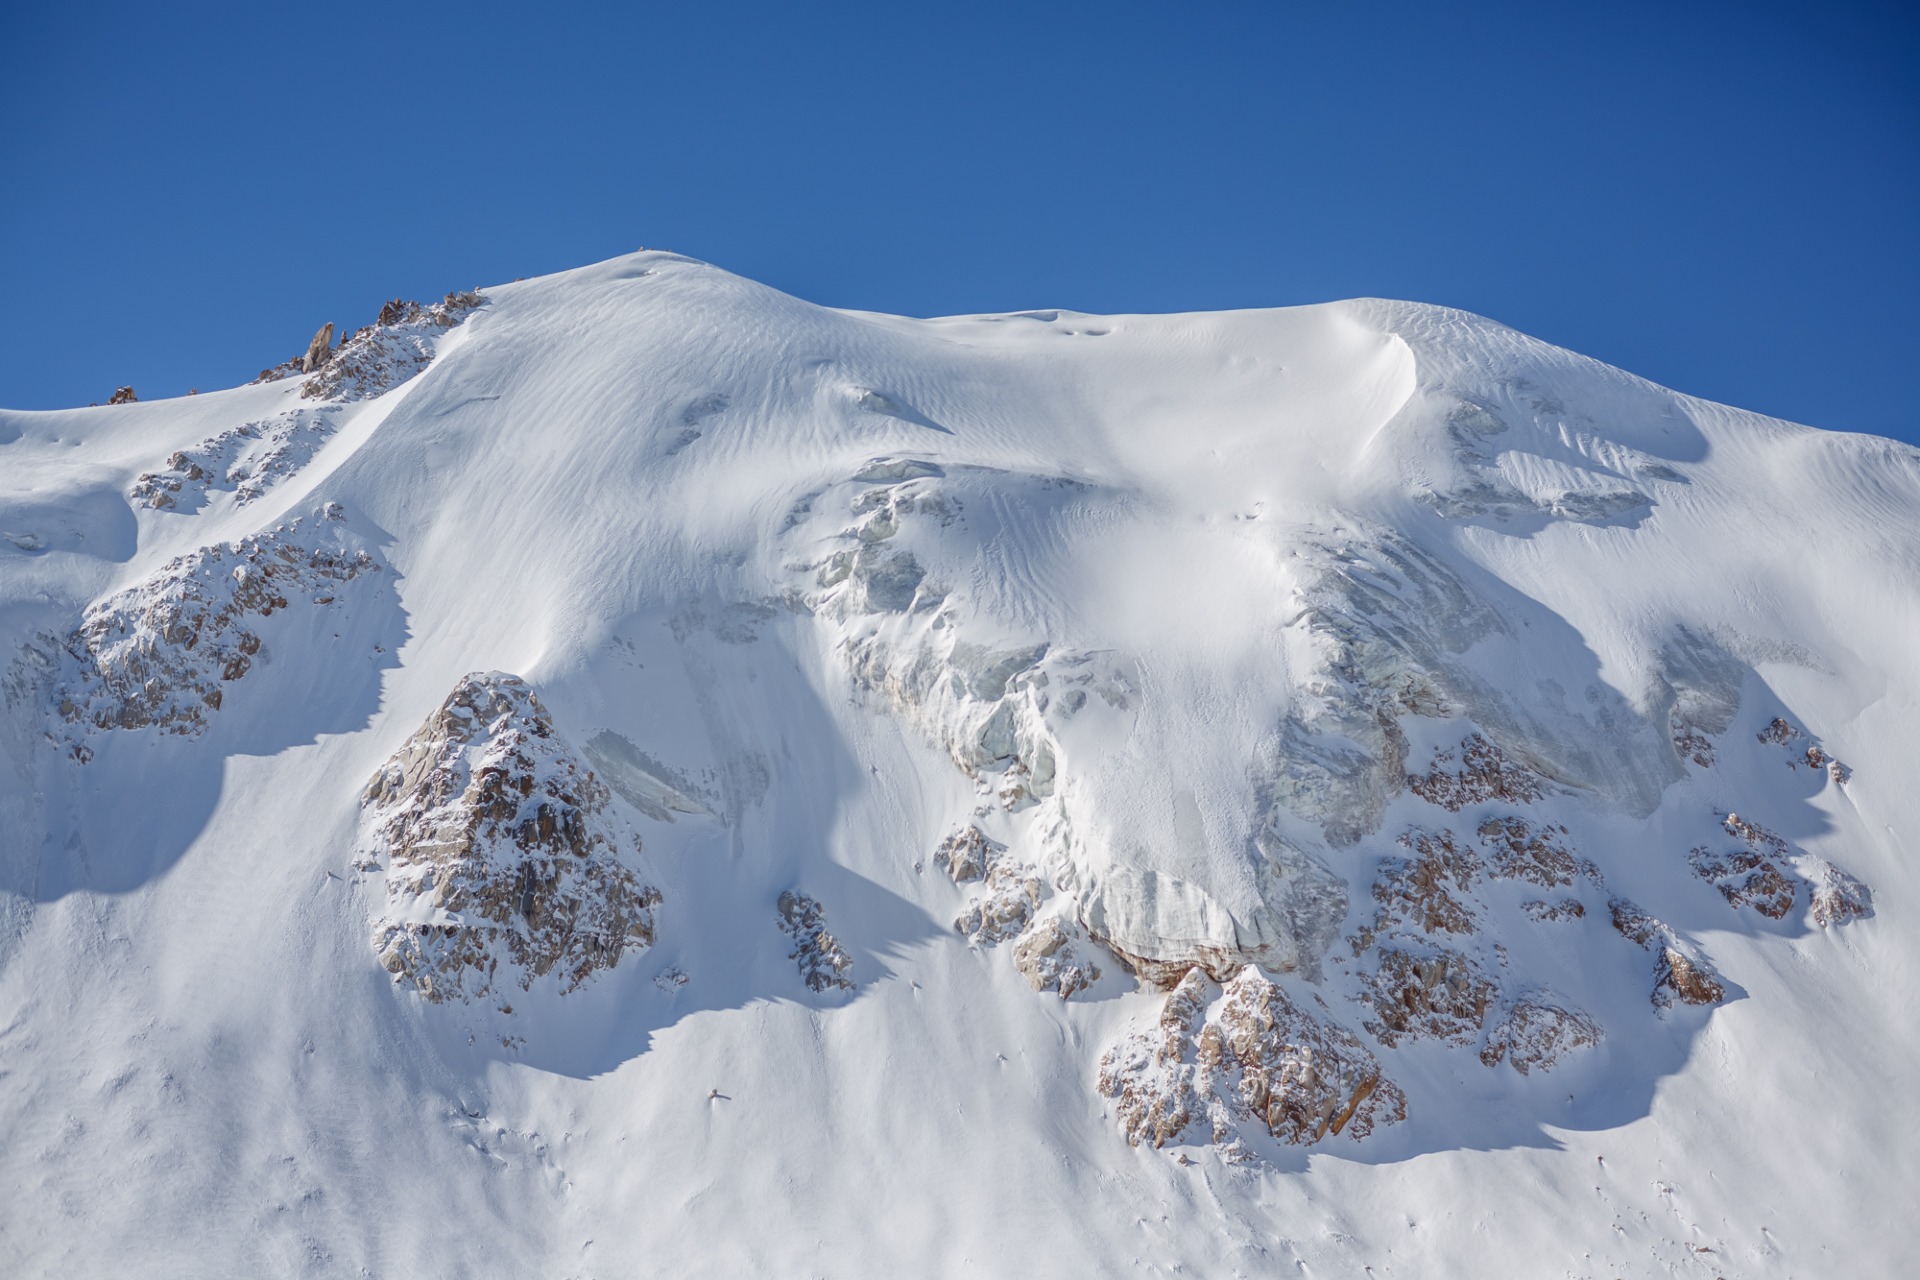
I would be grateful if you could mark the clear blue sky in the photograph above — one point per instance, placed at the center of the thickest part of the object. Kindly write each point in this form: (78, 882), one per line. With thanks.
(1719, 196)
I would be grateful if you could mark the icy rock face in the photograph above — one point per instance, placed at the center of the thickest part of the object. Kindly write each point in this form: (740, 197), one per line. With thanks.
(504, 859)
(165, 654)
(1700, 683)
(1243, 1060)
(1504, 485)
(1503, 449)
(1411, 678)
(1161, 925)
(1381, 621)
(1000, 711)
(823, 963)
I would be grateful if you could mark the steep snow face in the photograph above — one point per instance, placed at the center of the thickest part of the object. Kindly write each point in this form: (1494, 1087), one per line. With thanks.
(1493, 758)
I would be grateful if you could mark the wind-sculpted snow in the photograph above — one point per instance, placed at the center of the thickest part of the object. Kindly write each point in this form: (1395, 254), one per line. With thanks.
(1358, 744)
(502, 856)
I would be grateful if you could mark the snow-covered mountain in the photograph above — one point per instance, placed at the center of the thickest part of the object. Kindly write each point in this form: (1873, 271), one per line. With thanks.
(630, 773)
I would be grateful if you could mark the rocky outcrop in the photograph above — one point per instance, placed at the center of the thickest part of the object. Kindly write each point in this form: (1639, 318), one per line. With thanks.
(165, 653)
(248, 459)
(1534, 852)
(122, 395)
(1430, 962)
(1782, 733)
(965, 854)
(1754, 875)
(823, 963)
(1012, 891)
(504, 861)
(245, 461)
(375, 359)
(320, 350)
(1745, 879)
(1485, 773)
(1753, 835)
(1424, 892)
(1258, 1062)
(1436, 993)
(1536, 1031)
(1049, 952)
(1636, 925)
(1680, 973)
(1838, 898)
(1688, 979)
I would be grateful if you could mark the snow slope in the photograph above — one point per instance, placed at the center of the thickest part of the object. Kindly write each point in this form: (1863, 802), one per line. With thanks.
(1428, 669)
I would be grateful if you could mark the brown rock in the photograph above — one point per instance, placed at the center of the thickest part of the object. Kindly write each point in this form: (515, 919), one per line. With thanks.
(1262, 1060)
(1519, 850)
(1047, 954)
(1691, 981)
(1426, 890)
(501, 852)
(320, 350)
(965, 854)
(1485, 773)
(1536, 1033)
(1440, 995)
(1838, 898)
(822, 961)
(1746, 879)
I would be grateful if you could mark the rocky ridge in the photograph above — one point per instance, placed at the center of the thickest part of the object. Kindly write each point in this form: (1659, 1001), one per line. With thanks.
(165, 653)
(249, 459)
